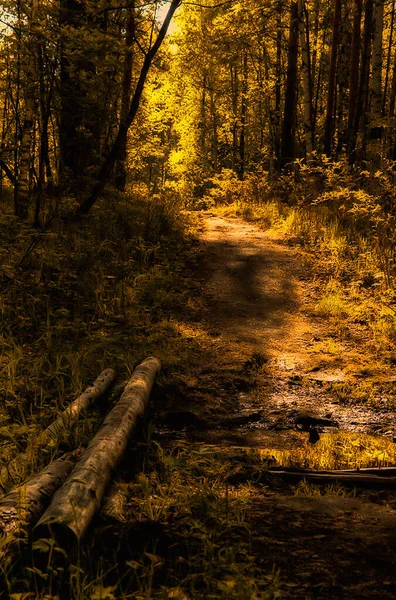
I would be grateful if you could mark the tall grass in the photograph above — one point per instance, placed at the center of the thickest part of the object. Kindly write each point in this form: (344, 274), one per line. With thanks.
(85, 297)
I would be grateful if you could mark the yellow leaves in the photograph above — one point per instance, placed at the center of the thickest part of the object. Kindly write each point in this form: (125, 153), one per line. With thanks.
(99, 592)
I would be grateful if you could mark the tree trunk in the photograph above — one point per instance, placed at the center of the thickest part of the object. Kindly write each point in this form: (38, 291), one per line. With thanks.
(121, 138)
(376, 84)
(354, 72)
(278, 88)
(306, 76)
(22, 198)
(391, 114)
(120, 167)
(74, 505)
(366, 478)
(242, 137)
(289, 116)
(328, 137)
(52, 434)
(24, 505)
(346, 478)
(361, 103)
(388, 59)
(234, 101)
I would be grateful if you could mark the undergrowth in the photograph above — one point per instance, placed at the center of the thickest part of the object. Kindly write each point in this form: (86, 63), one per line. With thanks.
(345, 219)
(82, 296)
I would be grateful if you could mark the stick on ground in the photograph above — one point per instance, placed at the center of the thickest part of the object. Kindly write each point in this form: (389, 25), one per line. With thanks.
(75, 503)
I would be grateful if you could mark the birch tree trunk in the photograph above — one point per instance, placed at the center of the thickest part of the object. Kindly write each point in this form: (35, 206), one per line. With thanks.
(24, 505)
(51, 435)
(22, 197)
(306, 75)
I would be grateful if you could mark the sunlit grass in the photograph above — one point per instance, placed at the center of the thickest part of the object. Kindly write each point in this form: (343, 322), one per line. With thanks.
(337, 451)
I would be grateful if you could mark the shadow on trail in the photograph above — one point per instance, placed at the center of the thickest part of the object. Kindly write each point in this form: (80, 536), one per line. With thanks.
(252, 294)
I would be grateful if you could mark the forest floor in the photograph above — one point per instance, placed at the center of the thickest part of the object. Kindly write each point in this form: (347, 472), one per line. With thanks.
(268, 360)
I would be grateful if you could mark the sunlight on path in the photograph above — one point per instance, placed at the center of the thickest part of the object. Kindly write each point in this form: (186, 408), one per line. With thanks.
(259, 295)
(256, 289)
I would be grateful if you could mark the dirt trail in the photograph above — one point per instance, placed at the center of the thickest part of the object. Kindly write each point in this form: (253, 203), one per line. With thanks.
(260, 290)
(256, 290)
(257, 367)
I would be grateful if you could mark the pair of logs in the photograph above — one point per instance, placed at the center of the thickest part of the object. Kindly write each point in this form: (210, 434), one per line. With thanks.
(80, 477)
(76, 502)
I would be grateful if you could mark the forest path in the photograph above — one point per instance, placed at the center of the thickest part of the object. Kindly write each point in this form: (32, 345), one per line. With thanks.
(261, 299)
(259, 358)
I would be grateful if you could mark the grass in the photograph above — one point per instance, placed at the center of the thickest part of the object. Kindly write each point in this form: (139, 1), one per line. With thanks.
(344, 450)
(88, 295)
(107, 292)
(351, 268)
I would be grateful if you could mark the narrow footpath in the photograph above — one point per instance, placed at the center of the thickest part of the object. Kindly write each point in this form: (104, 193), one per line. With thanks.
(267, 364)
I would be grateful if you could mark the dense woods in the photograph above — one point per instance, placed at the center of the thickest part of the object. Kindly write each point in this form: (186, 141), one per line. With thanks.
(129, 133)
(239, 86)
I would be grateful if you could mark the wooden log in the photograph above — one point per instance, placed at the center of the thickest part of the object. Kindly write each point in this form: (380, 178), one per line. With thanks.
(76, 502)
(24, 505)
(380, 471)
(81, 404)
(66, 418)
(346, 478)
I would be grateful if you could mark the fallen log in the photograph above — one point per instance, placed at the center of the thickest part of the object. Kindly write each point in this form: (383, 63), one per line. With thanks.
(24, 505)
(380, 471)
(358, 478)
(75, 503)
(16, 468)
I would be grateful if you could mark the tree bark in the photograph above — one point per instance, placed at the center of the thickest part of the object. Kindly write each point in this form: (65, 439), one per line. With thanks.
(289, 115)
(357, 478)
(328, 137)
(74, 505)
(361, 103)
(121, 138)
(376, 83)
(306, 76)
(278, 88)
(120, 168)
(384, 478)
(25, 504)
(242, 136)
(65, 419)
(388, 58)
(22, 197)
(354, 72)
